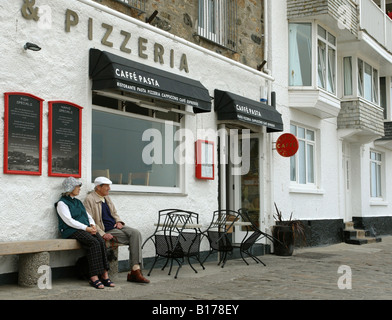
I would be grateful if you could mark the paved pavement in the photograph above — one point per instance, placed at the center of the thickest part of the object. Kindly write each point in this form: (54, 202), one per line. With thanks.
(335, 272)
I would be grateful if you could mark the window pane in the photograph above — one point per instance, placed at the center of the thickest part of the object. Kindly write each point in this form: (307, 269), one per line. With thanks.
(321, 32)
(301, 133)
(300, 54)
(379, 181)
(310, 163)
(211, 16)
(321, 64)
(293, 170)
(348, 80)
(360, 78)
(117, 145)
(373, 182)
(302, 162)
(368, 82)
(331, 70)
(310, 135)
(375, 86)
(331, 39)
(293, 129)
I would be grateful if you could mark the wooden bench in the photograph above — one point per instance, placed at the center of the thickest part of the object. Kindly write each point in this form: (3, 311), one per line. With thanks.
(35, 253)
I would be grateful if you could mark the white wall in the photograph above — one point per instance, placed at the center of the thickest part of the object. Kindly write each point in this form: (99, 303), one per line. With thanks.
(323, 202)
(60, 72)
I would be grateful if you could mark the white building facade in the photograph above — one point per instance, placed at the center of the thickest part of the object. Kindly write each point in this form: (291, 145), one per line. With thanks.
(132, 101)
(332, 65)
(115, 96)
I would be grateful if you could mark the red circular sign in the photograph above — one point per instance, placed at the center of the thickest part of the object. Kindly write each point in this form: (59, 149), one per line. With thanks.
(287, 145)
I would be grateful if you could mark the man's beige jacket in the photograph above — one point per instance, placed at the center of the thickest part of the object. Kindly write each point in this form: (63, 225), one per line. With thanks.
(93, 204)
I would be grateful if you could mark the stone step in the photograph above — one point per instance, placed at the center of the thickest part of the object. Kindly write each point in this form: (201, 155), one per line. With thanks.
(366, 240)
(349, 225)
(358, 236)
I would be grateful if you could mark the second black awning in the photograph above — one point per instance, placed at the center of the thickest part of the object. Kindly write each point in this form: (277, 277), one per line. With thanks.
(109, 71)
(230, 106)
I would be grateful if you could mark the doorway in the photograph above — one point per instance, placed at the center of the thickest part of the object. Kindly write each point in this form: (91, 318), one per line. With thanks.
(346, 167)
(243, 187)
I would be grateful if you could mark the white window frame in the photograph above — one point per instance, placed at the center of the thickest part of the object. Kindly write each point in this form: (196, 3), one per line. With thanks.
(295, 75)
(374, 82)
(357, 78)
(295, 160)
(140, 188)
(327, 69)
(376, 177)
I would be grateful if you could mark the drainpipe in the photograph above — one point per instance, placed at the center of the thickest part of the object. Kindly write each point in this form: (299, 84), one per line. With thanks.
(268, 152)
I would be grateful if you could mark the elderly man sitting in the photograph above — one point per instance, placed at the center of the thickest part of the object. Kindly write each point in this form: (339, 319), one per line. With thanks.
(109, 224)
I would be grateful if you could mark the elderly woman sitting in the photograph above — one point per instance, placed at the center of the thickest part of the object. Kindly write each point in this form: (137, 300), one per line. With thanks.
(76, 223)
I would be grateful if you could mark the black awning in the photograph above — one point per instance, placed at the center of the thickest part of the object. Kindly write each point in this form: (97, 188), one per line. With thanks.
(230, 106)
(109, 71)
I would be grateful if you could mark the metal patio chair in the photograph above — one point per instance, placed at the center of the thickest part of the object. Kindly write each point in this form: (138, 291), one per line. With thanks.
(172, 242)
(218, 233)
(253, 234)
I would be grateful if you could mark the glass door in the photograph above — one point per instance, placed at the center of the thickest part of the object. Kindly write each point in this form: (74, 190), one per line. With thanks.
(245, 190)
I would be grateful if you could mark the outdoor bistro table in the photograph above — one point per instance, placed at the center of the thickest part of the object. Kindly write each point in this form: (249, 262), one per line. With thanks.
(177, 235)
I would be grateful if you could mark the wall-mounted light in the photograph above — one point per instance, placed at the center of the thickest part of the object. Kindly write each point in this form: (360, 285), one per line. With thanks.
(152, 17)
(31, 46)
(261, 66)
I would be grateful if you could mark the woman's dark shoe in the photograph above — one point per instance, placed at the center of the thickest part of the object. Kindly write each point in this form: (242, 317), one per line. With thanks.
(108, 283)
(97, 284)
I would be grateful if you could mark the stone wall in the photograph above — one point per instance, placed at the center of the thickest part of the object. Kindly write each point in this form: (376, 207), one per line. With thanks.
(343, 11)
(180, 18)
(357, 114)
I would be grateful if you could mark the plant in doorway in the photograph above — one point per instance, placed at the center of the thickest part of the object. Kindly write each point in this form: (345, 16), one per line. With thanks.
(286, 233)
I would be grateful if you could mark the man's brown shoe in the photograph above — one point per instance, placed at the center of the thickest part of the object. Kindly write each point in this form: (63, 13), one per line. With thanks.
(137, 276)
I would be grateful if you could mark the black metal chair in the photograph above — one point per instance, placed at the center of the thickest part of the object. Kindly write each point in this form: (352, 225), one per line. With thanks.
(190, 235)
(162, 214)
(170, 240)
(218, 233)
(253, 234)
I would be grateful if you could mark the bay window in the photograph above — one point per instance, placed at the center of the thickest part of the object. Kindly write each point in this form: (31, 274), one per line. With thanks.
(300, 54)
(326, 60)
(302, 59)
(366, 76)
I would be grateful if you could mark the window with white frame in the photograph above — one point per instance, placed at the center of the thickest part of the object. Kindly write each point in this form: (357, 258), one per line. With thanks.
(366, 76)
(302, 164)
(302, 59)
(300, 54)
(375, 174)
(367, 81)
(348, 76)
(217, 22)
(326, 60)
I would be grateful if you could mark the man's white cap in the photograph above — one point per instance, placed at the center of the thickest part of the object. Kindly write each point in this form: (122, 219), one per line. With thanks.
(101, 180)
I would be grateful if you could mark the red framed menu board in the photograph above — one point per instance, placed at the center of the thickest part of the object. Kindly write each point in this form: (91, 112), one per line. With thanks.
(205, 168)
(22, 133)
(65, 132)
